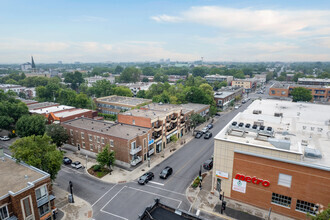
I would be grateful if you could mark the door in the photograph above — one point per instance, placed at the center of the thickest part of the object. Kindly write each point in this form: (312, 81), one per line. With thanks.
(218, 184)
(27, 208)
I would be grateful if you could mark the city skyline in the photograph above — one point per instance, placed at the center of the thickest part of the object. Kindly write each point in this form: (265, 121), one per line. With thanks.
(102, 31)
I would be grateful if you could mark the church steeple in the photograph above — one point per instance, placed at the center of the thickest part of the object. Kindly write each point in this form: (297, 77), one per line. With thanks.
(33, 65)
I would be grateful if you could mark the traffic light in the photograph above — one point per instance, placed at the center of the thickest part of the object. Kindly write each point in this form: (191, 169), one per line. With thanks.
(223, 205)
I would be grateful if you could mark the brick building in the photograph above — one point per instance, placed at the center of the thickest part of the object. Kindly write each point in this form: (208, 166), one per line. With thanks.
(41, 105)
(225, 96)
(312, 81)
(218, 78)
(25, 191)
(248, 85)
(275, 155)
(130, 143)
(115, 104)
(66, 115)
(47, 110)
(319, 93)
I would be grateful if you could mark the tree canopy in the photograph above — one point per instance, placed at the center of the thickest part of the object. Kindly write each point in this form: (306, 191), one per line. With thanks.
(38, 151)
(105, 156)
(130, 74)
(57, 133)
(301, 94)
(31, 125)
(75, 79)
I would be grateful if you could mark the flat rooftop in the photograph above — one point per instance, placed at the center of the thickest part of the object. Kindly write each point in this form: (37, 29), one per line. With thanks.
(53, 109)
(162, 107)
(194, 107)
(222, 94)
(313, 80)
(303, 128)
(123, 100)
(42, 105)
(28, 101)
(278, 85)
(123, 131)
(15, 176)
(68, 113)
(146, 113)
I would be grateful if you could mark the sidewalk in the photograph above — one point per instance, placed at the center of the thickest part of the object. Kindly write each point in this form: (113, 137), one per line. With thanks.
(120, 175)
(80, 209)
(205, 201)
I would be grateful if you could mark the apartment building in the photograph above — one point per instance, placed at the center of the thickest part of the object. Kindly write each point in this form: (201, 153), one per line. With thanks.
(312, 81)
(29, 92)
(130, 143)
(91, 80)
(219, 78)
(247, 84)
(41, 105)
(275, 155)
(225, 96)
(25, 192)
(116, 104)
(66, 115)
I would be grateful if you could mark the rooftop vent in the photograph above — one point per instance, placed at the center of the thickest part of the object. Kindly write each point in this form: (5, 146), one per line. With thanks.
(304, 142)
(312, 153)
(276, 114)
(281, 144)
(257, 112)
(26, 176)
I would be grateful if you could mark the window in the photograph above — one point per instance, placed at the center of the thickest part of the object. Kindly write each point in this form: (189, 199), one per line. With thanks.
(41, 192)
(98, 139)
(90, 137)
(307, 207)
(145, 142)
(133, 145)
(111, 143)
(27, 207)
(83, 144)
(91, 146)
(281, 200)
(72, 141)
(284, 180)
(4, 212)
(102, 140)
(133, 122)
(43, 209)
(82, 135)
(71, 132)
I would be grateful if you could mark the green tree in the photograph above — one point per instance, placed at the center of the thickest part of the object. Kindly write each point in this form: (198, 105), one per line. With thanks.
(82, 101)
(301, 94)
(145, 79)
(22, 95)
(101, 88)
(141, 94)
(38, 151)
(130, 74)
(269, 76)
(75, 79)
(296, 76)
(11, 81)
(105, 156)
(123, 91)
(160, 77)
(148, 71)
(174, 138)
(57, 133)
(321, 215)
(196, 119)
(199, 71)
(31, 125)
(119, 69)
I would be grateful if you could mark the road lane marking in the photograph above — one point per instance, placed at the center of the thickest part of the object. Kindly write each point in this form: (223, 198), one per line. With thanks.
(113, 198)
(167, 190)
(104, 195)
(155, 194)
(114, 215)
(161, 184)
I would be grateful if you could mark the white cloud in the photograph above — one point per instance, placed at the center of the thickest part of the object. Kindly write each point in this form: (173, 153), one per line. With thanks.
(279, 22)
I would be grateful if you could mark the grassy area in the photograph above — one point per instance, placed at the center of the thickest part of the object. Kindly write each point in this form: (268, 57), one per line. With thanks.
(98, 171)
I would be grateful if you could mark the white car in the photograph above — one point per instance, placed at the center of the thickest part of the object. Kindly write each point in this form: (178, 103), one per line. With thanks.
(205, 129)
(4, 138)
(237, 107)
(76, 164)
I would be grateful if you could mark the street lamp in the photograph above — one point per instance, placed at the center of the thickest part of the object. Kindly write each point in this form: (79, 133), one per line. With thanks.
(110, 163)
(148, 158)
(71, 187)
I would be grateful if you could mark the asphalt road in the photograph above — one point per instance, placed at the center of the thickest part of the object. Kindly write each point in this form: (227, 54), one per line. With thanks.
(127, 201)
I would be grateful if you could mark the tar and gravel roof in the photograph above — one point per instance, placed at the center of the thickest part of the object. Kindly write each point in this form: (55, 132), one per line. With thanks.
(122, 100)
(41, 105)
(301, 123)
(123, 131)
(48, 110)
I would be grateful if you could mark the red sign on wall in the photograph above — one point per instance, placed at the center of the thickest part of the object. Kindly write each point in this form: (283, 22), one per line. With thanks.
(253, 180)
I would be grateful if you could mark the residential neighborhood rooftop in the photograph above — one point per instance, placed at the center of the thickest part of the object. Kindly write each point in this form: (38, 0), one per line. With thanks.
(24, 175)
(48, 110)
(295, 128)
(41, 105)
(222, 94)
(123, 100)
(313, 80)
(69, 112)
(113, 129)
(146, 113)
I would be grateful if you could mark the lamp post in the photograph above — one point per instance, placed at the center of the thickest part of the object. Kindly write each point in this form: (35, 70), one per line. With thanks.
(110, 163)
(71, 191)
(148, 158)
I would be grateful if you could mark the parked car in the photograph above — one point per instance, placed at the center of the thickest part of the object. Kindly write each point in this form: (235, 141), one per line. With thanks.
(4, 138)
(217, 114)
(145, 178)
(208, 165)
(199, 134)
(210, 126)
(207, 135)
(166, 172)
(205, 129)
(67, 160)
(76, 164)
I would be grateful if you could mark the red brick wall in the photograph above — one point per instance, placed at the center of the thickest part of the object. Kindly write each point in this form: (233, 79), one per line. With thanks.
(278, 92)
(308, 184)
(139, 121)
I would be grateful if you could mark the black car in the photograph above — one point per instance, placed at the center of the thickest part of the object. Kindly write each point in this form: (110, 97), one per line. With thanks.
(199, 134)
(145, 178)
(210, 125)
(208, 135)
(208, 164)
(67, 160)
(217, 114)
(167, 171)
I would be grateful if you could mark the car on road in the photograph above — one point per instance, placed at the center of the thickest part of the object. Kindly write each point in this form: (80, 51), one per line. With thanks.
(4, 138)
(199, 134)
(205, 129)
(210, 125)
(67, 160)
(208, 165)
(237, 106)
(145, 178)
(208, 135)
(76, 165)
(166, 172)
(217, 114)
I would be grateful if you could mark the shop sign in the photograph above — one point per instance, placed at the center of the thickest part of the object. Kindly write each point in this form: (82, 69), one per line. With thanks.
(168, 136)
(239, 185)
(151, 151)
(159, 142)
(151, 142)
(253, 180)
(221, 174)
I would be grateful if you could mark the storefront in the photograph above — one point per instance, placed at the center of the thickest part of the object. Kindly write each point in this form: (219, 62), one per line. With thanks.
(168, 137)
(159, 146)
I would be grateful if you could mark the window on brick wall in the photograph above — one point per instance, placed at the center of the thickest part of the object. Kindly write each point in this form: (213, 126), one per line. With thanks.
(91, 146)
(82, 135)
(98, 139)
(90, 137)
(133, 122)
(284, 180)
(111, 143)
(282, 200)
(83, 144)
(4, 212)
(102, 140)
(41, 192)
(71, 132)
(306, 207)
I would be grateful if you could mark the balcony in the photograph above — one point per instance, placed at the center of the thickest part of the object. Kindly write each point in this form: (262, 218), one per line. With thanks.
(171, 128)
(158, 128)
(168, 123)
(181, 116)
(174, 119)
(135, 150)
(136, 160)
(182, 121)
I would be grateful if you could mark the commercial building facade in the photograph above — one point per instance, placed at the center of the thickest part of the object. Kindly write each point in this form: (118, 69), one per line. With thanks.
(312, 81)
(130, 143)
(66, 115)
(275, 155)
(248, 85)
(219, 78)
(25, 193)
(116, 104)
(225, 96)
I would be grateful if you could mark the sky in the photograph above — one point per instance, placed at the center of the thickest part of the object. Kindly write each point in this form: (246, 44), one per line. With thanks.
(182, 30)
